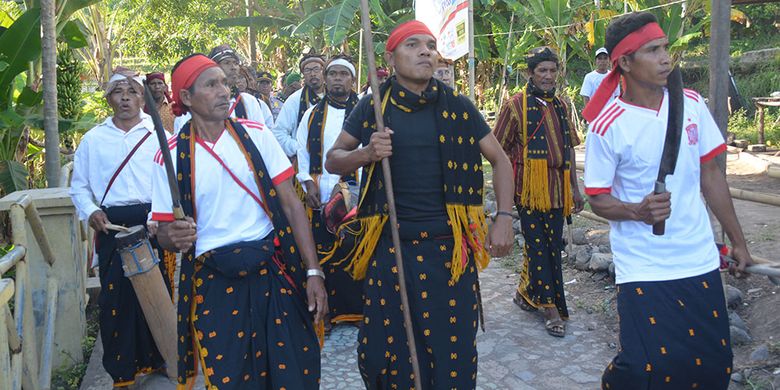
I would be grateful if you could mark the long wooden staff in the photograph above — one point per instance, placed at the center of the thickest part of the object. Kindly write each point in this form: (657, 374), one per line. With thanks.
(388, 182)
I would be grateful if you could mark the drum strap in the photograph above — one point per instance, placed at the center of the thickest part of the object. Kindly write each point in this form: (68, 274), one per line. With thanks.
(232, 175)
(122, 166)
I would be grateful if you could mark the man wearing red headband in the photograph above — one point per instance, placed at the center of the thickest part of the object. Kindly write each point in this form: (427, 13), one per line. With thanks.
(674, 327)
(533, 128)
(437, 142)
(111, 184)
(244, 288)
(242, 104)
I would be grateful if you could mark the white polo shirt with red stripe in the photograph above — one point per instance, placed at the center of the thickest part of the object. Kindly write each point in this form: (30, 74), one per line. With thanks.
(623, 152)
(226, 212)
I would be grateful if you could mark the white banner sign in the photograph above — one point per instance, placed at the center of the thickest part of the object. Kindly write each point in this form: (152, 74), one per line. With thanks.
(448, 20)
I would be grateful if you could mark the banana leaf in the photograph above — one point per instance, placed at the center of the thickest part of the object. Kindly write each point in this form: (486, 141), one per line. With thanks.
(19, 45)
(13, 176)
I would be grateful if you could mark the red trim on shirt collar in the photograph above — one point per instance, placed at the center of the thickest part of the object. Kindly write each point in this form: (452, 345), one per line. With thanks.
(713, 153)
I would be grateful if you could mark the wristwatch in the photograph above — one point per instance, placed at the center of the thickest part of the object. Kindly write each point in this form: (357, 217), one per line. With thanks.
(315, 272)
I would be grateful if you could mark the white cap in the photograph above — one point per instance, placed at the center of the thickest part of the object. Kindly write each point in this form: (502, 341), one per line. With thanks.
(602, 50)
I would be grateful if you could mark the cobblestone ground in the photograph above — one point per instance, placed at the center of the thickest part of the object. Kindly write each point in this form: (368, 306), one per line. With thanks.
(514, 353)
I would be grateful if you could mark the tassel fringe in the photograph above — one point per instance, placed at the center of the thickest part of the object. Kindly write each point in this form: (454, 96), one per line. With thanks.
(568, 197)
(371, 227)
(469, 228)
(536, 190)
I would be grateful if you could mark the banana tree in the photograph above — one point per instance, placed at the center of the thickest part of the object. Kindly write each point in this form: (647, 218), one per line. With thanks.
(20, 98)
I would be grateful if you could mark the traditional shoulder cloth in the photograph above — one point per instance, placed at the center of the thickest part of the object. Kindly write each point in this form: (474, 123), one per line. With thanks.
(536, 191)
(286, 257)
(461, 167)
(308, 99)
(239, 109)
(317, 121)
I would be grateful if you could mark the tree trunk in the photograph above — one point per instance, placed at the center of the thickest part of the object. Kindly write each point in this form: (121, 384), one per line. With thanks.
(720, 31)
(50, 123)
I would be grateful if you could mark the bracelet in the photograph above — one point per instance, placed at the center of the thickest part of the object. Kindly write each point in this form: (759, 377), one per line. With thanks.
(315, 272)
(507, 213)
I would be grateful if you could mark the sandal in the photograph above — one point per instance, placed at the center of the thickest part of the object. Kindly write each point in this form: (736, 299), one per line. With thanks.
(520, 301)
(555, 327)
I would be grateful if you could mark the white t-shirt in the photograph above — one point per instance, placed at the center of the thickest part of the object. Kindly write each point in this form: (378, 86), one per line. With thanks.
(623, 153)
(98, 156)
(226, 213)
(255, 112)
(333, 126)
(591, 83)
(286, 125)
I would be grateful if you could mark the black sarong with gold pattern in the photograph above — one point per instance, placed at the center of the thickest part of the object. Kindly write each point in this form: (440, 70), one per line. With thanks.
(345, 294)
(673, 335)
(444, 313)
(541, 275)
(242, 311)
(252, 331)
(437, 180)
(129, 349)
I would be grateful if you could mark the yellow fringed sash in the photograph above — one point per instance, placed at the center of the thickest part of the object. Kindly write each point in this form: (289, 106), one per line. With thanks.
(536, 187)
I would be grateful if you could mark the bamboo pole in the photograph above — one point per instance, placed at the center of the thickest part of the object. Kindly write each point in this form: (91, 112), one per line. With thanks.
(388, 183)
(5, 358)
(47, 352)
(25, 321)
(36, 225)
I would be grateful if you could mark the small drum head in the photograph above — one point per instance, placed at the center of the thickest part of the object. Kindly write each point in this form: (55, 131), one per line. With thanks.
(131, 237)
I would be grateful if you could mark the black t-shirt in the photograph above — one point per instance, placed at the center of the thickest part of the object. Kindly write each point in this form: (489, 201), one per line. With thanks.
(416, 164)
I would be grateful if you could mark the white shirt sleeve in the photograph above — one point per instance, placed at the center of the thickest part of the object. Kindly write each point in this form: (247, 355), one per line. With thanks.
(285, 124)
(162, 205)
(302, 136)
(179, 122)
(711, 142)
(268, 116)
(253, 110)
(276, 161)
(80, 191)
(587, 86)
(601, 163)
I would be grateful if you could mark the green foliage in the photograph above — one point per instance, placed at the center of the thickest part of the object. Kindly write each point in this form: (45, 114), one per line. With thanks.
(19, 45)
(95, 104)
(165, 31)
(13, 176)
(745, 127)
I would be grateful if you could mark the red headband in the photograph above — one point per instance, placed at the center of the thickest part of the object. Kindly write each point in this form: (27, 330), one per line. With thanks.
(631, 43)
(155, 75)
(406, 30)
(185, 75)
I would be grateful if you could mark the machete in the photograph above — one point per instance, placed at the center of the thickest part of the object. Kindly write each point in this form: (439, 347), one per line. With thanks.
(672, 142)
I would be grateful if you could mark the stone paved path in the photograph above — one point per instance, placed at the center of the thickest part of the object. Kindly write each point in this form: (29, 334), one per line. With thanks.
(515, 352)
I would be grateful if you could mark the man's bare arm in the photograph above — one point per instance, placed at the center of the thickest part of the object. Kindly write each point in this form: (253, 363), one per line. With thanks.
(653, 208)
(716, 192)
(345, 156)
(501, 235)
